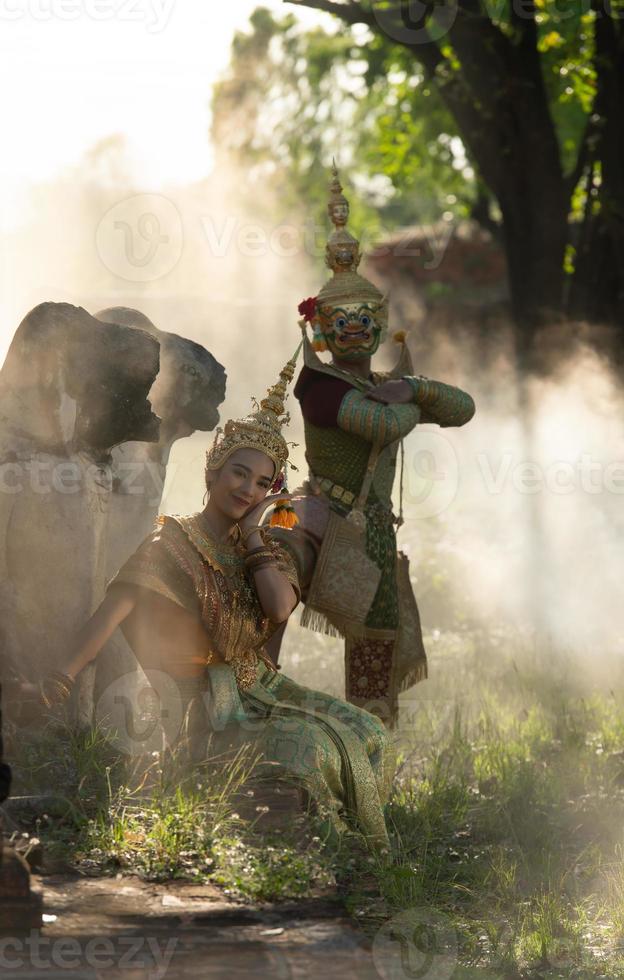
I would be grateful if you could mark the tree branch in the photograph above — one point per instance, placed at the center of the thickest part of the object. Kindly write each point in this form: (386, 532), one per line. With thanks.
(473, 127)
(350, 13)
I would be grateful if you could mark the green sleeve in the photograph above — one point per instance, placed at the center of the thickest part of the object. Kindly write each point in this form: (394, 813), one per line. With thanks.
(374, 422)
(441, 403)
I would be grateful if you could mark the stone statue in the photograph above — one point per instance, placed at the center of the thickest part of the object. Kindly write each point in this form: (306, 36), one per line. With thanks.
(71, 389)
(186, 396)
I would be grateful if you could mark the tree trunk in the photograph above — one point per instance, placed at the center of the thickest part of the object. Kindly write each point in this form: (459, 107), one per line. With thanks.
(501, 108)
(597, 291)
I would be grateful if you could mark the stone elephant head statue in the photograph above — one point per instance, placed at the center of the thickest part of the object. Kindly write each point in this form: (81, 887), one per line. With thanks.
(191, 383)
(73, 384)
(187, 394)
(72, 389)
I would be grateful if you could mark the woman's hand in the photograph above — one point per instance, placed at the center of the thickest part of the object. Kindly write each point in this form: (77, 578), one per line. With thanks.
(276, 594)
(29, 703)
(392, 393)
(253, 516)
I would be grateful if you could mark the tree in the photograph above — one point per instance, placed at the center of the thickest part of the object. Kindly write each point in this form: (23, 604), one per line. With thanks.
(528, 90)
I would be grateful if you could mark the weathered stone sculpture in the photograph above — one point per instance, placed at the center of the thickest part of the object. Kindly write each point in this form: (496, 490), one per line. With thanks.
(71, 389)
(186, 396)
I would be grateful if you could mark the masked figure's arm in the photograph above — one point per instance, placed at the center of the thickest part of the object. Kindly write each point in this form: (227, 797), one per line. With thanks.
(375, 422)
(441, 403)
(331, 402)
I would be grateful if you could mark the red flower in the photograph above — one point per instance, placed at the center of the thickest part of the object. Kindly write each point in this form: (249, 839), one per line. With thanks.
(307, 309)
(279, 483)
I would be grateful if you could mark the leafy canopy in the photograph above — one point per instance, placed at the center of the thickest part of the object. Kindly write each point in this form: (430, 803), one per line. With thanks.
(295, 97)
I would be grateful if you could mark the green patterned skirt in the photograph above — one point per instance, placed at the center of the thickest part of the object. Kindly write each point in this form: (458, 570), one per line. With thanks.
(338, 752)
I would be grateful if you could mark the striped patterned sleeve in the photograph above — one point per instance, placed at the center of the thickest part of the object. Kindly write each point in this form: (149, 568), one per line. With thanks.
(441, 403)
(374, 422)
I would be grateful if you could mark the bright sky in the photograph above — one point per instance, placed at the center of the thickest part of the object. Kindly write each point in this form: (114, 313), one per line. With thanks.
(76, 71)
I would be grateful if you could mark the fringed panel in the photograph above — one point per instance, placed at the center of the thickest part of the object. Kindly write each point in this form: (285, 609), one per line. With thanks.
(417, 674)
(317, 621)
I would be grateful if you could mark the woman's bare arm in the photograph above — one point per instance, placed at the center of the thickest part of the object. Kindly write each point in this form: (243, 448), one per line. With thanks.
(276, 594)
(117, 604)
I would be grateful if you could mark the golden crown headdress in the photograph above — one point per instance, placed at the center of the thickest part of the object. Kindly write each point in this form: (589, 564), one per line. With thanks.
(342, 256)
(261, 430)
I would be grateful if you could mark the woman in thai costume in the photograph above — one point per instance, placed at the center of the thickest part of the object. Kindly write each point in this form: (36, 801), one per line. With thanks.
(199, 600)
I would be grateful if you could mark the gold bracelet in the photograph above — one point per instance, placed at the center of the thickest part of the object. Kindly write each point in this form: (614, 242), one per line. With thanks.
(55, 688)
(260, 555)
(262, 550)
(260, 566)
(260, 561)
(250, 530)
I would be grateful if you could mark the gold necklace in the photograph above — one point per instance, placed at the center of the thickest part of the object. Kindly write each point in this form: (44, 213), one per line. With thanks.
(222, 555)
(354, 377)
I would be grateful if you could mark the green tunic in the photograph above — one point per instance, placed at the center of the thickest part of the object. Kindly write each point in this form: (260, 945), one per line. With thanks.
(352, 443)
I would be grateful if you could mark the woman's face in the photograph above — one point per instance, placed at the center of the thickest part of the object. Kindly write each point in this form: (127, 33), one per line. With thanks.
(241, 483)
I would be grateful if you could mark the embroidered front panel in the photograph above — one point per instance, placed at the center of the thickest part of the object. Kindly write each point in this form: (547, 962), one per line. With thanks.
(369, 669)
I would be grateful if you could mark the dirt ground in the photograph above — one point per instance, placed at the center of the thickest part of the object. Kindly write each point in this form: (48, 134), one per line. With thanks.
(112, 928)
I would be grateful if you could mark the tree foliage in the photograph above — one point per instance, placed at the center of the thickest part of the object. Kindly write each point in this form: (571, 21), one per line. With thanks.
(503, 110)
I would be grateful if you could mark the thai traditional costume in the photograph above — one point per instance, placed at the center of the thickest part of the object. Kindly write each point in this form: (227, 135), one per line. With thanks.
(339, 753)
(360, 586)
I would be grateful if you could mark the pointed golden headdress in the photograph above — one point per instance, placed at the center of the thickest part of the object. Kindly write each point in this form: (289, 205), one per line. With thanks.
(261, 430)
(342, 256)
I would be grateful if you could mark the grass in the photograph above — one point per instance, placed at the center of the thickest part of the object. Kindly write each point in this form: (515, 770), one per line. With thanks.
(154, 818)
(506, 821)
(269, 869)
(507, 818)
